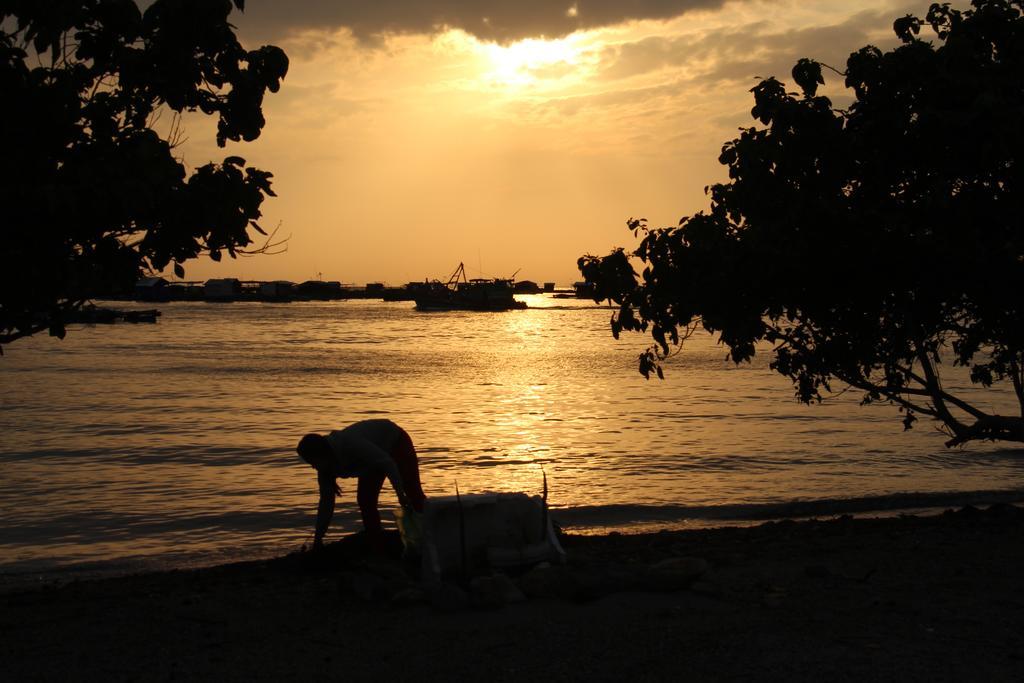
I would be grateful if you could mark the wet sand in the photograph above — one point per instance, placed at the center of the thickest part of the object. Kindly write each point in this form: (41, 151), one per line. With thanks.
(902, 598)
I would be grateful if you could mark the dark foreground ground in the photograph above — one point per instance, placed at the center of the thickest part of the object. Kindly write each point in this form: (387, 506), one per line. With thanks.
(929, 598)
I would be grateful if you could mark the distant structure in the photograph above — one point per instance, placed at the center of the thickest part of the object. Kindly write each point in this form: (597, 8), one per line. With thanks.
(184, 291)
(278, 290)
(222, 289)
(157, 288)
(319, 290)
(151, 289)
(526, 287)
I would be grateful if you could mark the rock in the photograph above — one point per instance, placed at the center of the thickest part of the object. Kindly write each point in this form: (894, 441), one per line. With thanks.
(675, 573)
(447, 597)
(494, 591)
(969, 511)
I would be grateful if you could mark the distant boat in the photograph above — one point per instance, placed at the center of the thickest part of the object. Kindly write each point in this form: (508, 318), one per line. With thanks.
(462, 294)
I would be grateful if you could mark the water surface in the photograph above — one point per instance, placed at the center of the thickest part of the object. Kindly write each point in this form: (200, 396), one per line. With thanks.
(175, 441)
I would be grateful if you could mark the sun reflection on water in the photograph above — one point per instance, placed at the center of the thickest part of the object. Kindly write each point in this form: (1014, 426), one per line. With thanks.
(180, 437)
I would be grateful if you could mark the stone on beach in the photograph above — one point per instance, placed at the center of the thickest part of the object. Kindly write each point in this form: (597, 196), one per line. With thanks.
(753, 612)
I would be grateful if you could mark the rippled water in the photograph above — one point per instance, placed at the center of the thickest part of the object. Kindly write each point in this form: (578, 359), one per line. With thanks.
(175, 441)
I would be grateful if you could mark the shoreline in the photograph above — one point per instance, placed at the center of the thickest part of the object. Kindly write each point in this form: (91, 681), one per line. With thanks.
(903, 597)
(580, 521)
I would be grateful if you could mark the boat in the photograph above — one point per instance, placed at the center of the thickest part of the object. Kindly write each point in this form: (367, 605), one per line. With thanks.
(462, 294)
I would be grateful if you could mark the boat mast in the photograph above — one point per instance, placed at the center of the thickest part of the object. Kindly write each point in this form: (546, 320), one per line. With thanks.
(460, 272)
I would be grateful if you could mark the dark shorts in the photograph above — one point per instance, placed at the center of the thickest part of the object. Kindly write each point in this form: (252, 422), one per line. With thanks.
(368, 494)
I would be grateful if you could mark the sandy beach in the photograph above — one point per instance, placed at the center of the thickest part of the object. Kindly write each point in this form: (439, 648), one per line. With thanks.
(901, 598)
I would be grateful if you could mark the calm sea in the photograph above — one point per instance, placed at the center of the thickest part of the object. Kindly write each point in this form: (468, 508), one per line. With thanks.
(134, 446)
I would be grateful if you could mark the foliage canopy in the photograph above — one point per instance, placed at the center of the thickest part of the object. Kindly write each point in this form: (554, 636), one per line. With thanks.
(92, 192)
(867, 245)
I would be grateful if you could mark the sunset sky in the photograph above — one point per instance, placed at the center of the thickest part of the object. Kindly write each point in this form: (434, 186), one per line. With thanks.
(410, 135)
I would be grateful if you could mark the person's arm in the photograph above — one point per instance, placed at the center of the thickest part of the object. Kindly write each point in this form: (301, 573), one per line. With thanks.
(325, 508)
(369, 456)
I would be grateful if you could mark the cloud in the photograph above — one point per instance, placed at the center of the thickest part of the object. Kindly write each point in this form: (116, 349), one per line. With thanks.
(656, 52)
(642, 97)
(745, 53)
(490, 20)
(690, 91)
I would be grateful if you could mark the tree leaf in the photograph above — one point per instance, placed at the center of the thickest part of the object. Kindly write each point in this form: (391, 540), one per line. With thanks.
(862, 241)
(104, 189)
(807, 74)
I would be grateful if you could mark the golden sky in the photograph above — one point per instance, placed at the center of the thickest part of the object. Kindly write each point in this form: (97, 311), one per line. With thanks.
(410, 135)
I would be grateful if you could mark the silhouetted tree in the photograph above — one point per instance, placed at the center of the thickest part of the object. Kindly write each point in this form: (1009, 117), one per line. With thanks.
(91, 193)
(868, 245)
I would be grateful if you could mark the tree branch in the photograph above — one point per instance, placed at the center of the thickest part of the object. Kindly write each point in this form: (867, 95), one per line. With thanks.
(891, 394)
(8, 337)
(14, 336)
(936, 392)
(270, 247)
(1017, 377)
(992, 427)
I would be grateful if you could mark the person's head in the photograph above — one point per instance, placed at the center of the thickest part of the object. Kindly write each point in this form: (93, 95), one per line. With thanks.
(314, 449)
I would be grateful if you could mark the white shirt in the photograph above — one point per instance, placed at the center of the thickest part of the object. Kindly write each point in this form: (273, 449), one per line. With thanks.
(364, 449)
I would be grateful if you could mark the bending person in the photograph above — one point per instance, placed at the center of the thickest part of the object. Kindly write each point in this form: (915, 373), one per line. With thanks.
(370, 450)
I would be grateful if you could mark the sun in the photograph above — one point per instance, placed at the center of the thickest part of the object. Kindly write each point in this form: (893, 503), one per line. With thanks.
(518, 64)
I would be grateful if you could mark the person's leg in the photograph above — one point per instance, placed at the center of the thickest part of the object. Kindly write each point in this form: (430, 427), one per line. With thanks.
(367, 495)
(404, 455)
